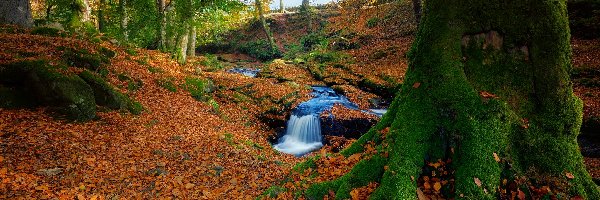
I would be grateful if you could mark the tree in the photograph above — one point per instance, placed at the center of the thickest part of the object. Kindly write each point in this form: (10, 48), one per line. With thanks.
(281, 9)
(162, 18)
(417, 10)
(16, 12)
(265, 26)
(487, 87)
(124, 19)
(306, 12)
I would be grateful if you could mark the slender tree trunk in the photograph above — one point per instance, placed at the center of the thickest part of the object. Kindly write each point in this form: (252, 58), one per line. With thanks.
(265, 26)
(86, 11)
(182, 47)
(48, 11)
(101, 7)
(16, 12)
(307, 13)
(191, 47)
(487, 88)
(162, 29)
(417, 10)
(281, 9)
(124, 19)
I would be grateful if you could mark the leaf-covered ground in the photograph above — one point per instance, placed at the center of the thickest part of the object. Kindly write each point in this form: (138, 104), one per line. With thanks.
(180, 147)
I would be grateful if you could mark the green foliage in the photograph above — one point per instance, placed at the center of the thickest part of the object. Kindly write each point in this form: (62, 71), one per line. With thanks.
(259, 49)
(372, 22)
(312, 41)
(198, 88)
(106, 95)
(167, 83)
(211, 62)
(47, 31)
(82, 58)
(107, 52)
(214, 105)
(155, 70)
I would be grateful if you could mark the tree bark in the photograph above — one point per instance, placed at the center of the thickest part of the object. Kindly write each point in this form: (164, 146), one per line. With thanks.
(487, 87)
(101, 26)
(124, 19)
(306, 12)
(162, 29)
(281, 9)
(16, 12)
(191, 47)
(417, 10)
(265, 26)
(86, 11)
(182, 47)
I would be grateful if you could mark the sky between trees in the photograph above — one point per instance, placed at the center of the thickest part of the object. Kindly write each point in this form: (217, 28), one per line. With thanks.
(292, 3)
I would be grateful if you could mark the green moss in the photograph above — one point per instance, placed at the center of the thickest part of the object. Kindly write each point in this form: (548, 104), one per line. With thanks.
(135, 107)
(372, 22)
(211, 62)
(155, 70)
(68, 94)
(107, 52)
(107, 95)
(84, 59)
(104, 93)
(198, 88)
(47, 31)
(485, 77)
(273, 191)
(167, 83)
(131, 51)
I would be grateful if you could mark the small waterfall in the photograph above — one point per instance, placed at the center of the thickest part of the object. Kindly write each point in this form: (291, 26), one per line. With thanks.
(302, 136)
(303, 131)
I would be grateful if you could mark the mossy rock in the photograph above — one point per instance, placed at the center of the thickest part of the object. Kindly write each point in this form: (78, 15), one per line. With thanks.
(84, 59)
(106, 95)
(67, 94)
(15, 98)
(48, 31)
(199, 88)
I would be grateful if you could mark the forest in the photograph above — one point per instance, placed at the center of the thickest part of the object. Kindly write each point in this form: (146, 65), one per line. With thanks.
(290, 99)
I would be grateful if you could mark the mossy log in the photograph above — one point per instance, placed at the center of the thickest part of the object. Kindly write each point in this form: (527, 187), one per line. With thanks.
(485, 78)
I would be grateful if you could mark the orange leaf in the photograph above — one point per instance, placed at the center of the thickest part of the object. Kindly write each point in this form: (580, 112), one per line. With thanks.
(521, 195)
(437, 186)
(496, 157)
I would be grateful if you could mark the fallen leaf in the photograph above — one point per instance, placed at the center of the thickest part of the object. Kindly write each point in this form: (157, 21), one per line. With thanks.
(437, 186)
(477, 182)
(420, 195)
(496, 157)
(569, 175)
(189, 186)
(521, 195)
(416, 85)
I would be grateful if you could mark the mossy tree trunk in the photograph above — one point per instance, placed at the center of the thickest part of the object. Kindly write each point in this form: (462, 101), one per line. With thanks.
(485, 77)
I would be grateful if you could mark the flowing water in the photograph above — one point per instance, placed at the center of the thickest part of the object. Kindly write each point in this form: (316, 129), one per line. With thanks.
(303, 131)
(245, 71)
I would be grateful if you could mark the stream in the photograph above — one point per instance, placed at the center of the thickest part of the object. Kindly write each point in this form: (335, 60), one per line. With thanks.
(303, 131)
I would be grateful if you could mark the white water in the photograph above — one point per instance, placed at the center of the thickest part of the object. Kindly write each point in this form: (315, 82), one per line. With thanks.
(302, 136)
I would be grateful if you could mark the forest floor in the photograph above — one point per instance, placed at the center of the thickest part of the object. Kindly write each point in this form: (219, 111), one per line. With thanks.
(180, 147)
